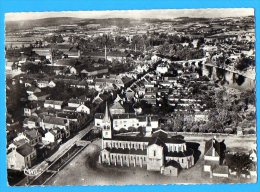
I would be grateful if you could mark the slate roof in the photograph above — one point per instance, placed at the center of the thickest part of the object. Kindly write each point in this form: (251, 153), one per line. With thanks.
(172, 163)
(31, 105)
(66, 115)
(33, 89)
(53, 102)
(32, 133)
(209, 147)
(150, 140)
(67, 108)
(20, 142)
(186, 153)
(160, 133)
(116, 105)
(221, 169)
(25, 149)
(54, 120)
(32, 118)
(127, 151)
(39, 94)
(157, 141)
(55, 131)
(124, 116)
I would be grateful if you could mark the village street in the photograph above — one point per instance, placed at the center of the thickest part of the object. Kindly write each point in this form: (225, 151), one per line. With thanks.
(62, 149)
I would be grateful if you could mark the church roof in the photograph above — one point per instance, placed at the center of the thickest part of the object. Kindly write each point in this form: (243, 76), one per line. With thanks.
(209, 145)
(116, 105)
(147, 139)
(186, 153)
(106, 116)
(172, 163)
(160, 133)
(127, 151)
(157, 141)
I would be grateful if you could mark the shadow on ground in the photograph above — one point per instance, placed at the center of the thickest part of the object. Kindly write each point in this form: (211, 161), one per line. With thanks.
(195, 147)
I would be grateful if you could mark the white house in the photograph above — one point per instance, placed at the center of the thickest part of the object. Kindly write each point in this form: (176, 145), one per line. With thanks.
(162, 68)
(22, 157)
(53, 104)
(52, 84)
(31, 90)
(83, 109)
(53, 135)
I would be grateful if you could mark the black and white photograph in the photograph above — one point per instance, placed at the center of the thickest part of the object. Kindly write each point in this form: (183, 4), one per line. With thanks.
(131, 97)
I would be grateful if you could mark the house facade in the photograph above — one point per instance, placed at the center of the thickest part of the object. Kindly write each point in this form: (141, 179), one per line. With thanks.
(21, 157)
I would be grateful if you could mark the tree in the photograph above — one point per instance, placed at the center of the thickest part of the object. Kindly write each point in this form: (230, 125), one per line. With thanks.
(104, 41)
(121, 41)
(135, 41)
(244, 62)
(200, 42)
(219, 118)
(54, 39)
(239, 162)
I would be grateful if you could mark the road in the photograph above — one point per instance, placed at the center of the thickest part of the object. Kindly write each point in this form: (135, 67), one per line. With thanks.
(65, 146)
(62, 149)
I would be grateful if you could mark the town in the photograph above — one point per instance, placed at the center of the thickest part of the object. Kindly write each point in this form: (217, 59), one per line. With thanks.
(147, 101)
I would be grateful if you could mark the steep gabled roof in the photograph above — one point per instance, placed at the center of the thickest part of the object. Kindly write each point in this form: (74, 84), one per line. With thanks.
(210, 145)
(32, 133)
(116, 105)
(157, 141)
(160, 133)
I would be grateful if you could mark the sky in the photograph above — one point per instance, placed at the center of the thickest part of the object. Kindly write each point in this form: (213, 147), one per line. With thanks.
(135, 14)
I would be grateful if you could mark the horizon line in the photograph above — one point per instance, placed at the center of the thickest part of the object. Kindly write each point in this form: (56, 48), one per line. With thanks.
(134, 14)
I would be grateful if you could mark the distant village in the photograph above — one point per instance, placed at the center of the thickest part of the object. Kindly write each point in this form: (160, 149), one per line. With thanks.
(142, 87)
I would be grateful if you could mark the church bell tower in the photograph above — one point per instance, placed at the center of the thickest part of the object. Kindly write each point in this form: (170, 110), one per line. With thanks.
(107, 129)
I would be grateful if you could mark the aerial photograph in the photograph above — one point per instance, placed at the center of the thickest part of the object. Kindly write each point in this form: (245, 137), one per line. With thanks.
(130, 97)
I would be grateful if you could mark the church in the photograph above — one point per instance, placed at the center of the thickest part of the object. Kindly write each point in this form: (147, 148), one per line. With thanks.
(155, 150)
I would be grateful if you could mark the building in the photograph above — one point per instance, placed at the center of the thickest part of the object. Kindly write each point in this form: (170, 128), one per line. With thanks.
(153, 150)
(213, 158)
(31, 122)
(32, 90)
(32, 136)
(127, 121)
(44, 84)
(117, 108)
(21, 157)
(78, 105)
(53, 135)
(53, 104)
(162, 68)
(221, 171)
(40, 96)
(30, 108)
(49, 123)
(171, 168)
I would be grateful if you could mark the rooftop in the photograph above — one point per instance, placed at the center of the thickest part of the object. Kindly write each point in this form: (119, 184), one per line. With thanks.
(25, 149)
